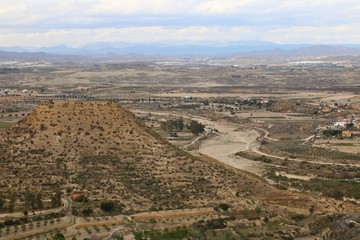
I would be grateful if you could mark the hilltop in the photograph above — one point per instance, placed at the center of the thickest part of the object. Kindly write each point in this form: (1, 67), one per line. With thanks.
(105, 151)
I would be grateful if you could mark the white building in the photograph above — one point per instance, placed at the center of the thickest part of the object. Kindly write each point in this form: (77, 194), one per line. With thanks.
(340, 124)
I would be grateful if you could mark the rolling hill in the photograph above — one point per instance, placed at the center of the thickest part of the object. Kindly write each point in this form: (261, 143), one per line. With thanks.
(104, 150)
(109, 50)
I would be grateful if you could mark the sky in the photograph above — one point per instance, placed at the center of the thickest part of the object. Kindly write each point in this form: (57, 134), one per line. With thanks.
(76, 23)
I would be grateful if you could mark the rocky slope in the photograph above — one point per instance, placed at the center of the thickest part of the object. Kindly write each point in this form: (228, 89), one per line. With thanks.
(104, 150)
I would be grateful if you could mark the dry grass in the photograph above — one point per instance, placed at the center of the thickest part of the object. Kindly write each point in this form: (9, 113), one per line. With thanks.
(104, 150)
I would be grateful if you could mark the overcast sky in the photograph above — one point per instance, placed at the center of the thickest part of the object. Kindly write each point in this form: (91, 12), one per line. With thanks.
(79, 22)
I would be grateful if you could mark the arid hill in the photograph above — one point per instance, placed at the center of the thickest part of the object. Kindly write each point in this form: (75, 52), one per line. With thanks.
(104, 150)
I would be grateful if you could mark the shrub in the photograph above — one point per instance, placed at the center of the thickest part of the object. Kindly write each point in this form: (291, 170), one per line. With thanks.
(224, 206)
(108, 206)
(87, 211)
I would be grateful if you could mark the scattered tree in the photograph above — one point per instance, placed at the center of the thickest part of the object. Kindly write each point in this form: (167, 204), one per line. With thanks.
(224, 206)
(108, 206)
(56, 199)
(195, 127)
(58, 236)
(171, 125)
(87, 211)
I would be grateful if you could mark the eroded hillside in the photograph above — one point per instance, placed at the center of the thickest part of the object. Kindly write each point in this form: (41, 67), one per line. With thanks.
(104, 150)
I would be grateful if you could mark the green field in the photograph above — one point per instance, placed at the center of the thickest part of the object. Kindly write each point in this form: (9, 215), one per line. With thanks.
(5, 124)
(321, 152)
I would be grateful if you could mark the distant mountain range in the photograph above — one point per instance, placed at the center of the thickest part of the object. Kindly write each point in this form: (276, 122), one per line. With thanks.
(113, 49)
(35, 56)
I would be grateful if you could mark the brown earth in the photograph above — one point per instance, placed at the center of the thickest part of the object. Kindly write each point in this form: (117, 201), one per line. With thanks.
(107, 152)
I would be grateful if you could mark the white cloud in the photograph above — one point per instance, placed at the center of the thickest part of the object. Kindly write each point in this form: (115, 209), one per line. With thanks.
(80, 37)
(135, 7)
(151, 34)
(311, 34)
(77, 22)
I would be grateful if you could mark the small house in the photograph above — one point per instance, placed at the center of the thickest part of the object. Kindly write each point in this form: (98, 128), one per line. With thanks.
(77, 195)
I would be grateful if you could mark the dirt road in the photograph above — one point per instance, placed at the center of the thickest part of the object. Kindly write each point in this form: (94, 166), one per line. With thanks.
(172, 214)
(231, 139)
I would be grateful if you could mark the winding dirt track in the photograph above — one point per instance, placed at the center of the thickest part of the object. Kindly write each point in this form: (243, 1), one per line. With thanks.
(232, 138)
(230, 141)
(172, 214)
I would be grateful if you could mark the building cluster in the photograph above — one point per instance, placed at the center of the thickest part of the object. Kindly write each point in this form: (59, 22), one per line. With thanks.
(14, 92)
(337, 107)
(350, 127)
(253, 101)
(350, 134)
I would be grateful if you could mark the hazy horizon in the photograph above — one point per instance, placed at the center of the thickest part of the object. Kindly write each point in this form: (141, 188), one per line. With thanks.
(41, 23)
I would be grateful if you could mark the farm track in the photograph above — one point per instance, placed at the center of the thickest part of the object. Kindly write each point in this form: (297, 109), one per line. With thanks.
(231, 140)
